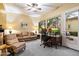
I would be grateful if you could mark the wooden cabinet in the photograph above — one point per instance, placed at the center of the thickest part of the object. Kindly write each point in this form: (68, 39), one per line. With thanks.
(1, 38)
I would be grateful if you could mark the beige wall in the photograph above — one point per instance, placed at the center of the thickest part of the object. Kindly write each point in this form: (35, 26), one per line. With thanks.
(15, 20)
(73, 25)
(2, 16)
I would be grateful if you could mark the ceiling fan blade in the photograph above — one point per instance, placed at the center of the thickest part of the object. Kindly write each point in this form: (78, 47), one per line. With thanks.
(29, 9)
(34, 4)
(39, 8)
(28, 5)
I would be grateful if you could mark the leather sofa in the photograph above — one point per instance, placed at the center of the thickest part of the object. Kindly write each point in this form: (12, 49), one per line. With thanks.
(26, 36)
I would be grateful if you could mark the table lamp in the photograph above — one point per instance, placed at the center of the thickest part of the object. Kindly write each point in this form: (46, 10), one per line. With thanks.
(10, 29)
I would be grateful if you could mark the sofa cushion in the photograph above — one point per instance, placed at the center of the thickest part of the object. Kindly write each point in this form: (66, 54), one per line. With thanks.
(25, 37)
(31, 33)
(11, 37)
(12, 41)
(25, 33)
(19, 44)
(19, 35)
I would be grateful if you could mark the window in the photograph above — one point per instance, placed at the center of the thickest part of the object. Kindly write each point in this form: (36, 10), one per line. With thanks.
(72, 23)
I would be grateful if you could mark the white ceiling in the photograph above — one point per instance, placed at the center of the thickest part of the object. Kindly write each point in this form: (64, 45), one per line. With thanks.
(11, 9)
(23, 8)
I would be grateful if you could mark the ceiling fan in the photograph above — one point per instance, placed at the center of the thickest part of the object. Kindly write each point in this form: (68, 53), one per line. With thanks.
(33, 6)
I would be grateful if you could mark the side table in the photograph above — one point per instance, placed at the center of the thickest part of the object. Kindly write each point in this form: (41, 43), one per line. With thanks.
(3, 49)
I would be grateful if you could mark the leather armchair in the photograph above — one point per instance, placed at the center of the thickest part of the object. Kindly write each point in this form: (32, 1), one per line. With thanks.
(13, 41)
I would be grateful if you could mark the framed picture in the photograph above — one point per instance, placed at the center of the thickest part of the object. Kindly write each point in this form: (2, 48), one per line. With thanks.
(23, 24)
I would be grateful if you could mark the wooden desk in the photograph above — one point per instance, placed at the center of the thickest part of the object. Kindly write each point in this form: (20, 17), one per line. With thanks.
(3, 49)
(56, 40)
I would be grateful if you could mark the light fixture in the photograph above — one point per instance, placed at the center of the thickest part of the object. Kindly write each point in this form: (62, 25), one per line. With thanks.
(33, 6)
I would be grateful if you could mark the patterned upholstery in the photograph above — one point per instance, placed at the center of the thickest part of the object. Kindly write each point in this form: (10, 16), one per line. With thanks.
(25, 33)
(12, 40)
(19, 44)
(26, 36)
(11, 36)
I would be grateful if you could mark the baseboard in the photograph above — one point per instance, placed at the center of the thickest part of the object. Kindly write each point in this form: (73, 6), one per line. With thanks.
(71, 48)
